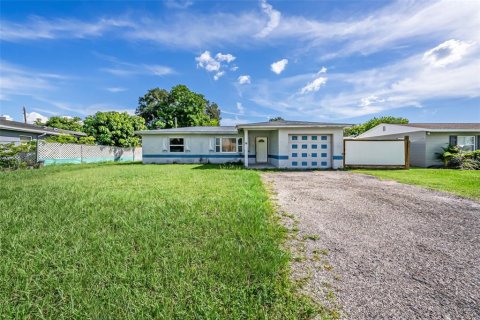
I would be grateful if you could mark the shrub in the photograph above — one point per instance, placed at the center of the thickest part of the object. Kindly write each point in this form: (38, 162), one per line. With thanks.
(17, 156)
(454, 158)
(66, 138)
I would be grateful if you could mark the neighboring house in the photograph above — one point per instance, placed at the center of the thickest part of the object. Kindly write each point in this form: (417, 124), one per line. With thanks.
(17, 132)
(282, 144)
(428, 139)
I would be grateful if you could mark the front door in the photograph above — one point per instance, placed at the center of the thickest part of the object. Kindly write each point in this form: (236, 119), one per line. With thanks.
(261, 149)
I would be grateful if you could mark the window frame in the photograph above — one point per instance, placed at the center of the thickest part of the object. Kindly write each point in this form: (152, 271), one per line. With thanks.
(238, 144)
(24, 136)
(170, 145)
(462, 146)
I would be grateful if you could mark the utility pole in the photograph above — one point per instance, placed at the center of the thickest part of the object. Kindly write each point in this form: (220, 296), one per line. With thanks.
(24, 114)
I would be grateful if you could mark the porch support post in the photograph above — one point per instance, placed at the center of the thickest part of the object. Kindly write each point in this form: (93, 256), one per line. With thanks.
(245, 148)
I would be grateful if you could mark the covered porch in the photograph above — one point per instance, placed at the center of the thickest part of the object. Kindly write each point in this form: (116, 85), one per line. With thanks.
(261, 148)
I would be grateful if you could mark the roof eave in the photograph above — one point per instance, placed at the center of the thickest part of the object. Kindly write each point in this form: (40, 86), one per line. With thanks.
(56, 133)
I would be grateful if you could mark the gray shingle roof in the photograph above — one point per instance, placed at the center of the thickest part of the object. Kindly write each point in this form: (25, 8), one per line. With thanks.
(445, 126)
(193, 130)
(288, 123)
(27, 127)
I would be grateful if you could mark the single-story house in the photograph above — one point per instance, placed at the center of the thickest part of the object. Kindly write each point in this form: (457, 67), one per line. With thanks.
(428, 139)
(281, 144)
(18, 132)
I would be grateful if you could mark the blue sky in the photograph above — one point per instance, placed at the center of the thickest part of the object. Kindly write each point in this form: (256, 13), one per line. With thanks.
(336, 61)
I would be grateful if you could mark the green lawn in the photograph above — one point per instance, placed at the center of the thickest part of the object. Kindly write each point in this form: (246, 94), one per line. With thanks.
(465, 183)
(142, 241)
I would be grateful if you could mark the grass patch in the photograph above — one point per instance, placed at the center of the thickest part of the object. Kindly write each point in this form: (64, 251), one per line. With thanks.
(142, 241)
(465, 183)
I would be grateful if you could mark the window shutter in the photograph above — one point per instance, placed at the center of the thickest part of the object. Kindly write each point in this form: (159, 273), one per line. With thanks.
(186, 143)
(478, 142)
(211, 145)
(453, 140)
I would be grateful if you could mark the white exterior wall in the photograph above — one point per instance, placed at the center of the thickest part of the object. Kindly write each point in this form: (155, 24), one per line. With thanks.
(198, 149)
(336, 144)
(374, 153)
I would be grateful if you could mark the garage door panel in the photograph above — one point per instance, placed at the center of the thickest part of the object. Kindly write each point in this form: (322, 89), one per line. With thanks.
(309, 151)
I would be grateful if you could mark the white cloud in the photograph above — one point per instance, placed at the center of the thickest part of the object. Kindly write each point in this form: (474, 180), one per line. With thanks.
(446, 53)
(207, 62)
(224, 57)
(7, 117)
(219, 64)
(232, 121)
(116, 89)
(314, 85)
(240, 108)
(178, 4)
(279, 66)
(245, 79)
(273, 19)
(33, 116)
(130, 69)
(218, 75)
(322, 70)
(234, 68)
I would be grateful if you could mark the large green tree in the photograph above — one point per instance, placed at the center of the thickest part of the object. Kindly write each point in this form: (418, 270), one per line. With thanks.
(160, 108)
(65, 123)
(114, 128)
(361, 128)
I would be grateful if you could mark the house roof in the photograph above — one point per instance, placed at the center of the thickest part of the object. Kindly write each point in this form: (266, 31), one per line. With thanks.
(287, 123)
(32, 128)
(234, 130)
(193, 130)
(444, 126)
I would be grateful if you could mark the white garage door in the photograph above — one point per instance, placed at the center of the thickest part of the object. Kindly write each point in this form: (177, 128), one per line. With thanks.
(310, 151)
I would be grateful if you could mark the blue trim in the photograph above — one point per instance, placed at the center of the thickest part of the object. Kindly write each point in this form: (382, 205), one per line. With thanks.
(189, 156)
(337, 157)
(278, 157)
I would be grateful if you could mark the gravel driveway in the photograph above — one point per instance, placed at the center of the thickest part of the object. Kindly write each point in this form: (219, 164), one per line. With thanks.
(383, 249)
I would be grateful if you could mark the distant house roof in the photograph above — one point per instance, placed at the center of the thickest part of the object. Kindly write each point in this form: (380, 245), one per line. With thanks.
(32, 128)
(287, 123)
(193, 130)
(445, 126)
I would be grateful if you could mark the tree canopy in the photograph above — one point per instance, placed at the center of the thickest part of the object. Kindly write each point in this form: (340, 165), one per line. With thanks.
(114, 128)
(361, 128)
(277, 119)
(160, 108)
(65, 123)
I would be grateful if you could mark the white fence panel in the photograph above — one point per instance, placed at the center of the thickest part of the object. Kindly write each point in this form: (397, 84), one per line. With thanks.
(376, 153)
(57, 153)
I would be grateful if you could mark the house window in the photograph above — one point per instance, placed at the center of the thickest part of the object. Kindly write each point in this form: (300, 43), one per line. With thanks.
(294, 138)
(228, 145)
(314, 163)
(324, 155)
(177, 145)
(304, 146)
(294, 163)
(324, 146)
(324, 138)
(294, 155)
(314, 155)
(304, 137)
(304, 164)
(314, 146)
(324, 163)
(314, 137)
(304, 155)
(25, 139)
(294, 146)
(466, 143)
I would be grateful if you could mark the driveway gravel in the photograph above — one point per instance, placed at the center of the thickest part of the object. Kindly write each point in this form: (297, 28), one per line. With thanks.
(380, 249)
